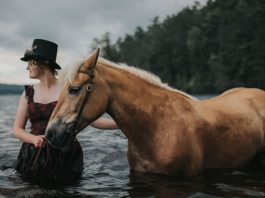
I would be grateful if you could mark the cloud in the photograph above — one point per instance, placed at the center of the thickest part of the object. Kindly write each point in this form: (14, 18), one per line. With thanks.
(71, 24)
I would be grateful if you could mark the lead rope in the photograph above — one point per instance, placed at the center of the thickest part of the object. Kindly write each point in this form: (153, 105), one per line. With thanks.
(33, 167)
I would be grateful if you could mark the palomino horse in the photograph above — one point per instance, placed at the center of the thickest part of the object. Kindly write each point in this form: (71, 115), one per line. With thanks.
(168, 131)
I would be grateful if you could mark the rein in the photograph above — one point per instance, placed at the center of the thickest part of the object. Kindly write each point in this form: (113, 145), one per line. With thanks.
(33, 167)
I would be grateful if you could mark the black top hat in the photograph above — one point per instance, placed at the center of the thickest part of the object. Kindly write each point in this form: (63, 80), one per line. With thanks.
(43, 50)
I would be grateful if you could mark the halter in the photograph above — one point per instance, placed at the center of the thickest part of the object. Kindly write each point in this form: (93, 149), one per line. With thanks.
(71, 127)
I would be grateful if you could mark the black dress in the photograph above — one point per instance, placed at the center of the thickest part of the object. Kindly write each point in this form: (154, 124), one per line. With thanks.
(48, 163)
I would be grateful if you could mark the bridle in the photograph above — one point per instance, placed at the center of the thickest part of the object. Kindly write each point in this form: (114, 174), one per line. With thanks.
(71, 127)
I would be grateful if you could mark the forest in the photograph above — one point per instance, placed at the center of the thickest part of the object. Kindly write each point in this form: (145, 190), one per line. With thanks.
(201, 49)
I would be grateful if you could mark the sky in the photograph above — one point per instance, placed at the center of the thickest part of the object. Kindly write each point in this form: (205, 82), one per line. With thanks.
(72, 24)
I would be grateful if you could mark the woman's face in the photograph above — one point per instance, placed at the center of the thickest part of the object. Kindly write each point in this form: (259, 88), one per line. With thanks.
(34, 70)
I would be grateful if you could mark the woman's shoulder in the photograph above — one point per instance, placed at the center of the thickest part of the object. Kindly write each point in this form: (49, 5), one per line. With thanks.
(31, 86)
(27, 87)
(29, 91)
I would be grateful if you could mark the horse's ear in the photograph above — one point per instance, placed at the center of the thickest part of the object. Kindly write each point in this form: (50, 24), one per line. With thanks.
(92, 60)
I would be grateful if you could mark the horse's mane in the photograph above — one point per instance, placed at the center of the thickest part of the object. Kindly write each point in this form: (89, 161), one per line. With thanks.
(69, 74)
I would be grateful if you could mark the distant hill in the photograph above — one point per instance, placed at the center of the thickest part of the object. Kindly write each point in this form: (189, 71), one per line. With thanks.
(11, 89)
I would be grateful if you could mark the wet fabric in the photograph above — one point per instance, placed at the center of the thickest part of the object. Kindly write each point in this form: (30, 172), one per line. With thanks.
(48, 162)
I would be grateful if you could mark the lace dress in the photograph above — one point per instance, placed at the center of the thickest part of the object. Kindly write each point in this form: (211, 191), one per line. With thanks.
(51, 163)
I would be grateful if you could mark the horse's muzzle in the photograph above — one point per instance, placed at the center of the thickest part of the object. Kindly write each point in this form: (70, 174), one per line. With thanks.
(58, 137)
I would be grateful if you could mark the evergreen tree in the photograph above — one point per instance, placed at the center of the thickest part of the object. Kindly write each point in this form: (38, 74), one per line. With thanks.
(201, 49)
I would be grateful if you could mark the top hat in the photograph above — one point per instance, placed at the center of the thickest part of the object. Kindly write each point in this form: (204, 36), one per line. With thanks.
(42, 50)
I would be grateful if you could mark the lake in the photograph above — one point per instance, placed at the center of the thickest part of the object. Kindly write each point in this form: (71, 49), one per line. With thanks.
(107, 173)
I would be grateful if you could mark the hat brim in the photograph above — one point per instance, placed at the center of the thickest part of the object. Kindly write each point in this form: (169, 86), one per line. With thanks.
(29, 57)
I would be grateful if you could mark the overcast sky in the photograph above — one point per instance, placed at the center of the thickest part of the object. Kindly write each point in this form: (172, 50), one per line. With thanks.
(72, 24)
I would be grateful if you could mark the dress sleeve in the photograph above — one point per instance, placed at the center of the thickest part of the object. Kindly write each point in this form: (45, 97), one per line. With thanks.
(29, 93)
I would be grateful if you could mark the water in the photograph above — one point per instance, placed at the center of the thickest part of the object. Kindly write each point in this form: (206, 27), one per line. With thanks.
(107, 173)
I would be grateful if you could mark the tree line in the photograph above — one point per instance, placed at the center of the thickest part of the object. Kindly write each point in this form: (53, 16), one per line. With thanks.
(205, 49)
(11, 89)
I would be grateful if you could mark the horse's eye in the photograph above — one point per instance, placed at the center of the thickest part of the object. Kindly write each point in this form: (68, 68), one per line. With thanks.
(74, 90)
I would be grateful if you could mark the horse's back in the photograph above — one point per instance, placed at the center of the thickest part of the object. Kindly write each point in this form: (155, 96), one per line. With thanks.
(241, 103)
(232, 91)
(240, 99)
(241, 92)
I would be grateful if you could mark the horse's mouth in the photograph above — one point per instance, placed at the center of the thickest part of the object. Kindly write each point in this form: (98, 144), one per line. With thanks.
(60, 142)
(55, 146)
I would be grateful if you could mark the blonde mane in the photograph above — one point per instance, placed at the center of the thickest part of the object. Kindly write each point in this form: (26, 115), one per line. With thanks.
(69, 74)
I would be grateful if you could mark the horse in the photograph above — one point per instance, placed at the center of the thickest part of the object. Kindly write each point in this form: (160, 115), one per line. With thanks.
(169, 131)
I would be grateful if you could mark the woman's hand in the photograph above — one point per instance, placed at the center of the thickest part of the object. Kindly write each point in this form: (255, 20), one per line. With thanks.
(104, 123)
(38, 140)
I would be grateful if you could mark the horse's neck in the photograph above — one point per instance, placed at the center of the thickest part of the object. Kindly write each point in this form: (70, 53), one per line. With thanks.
(130, 96)
(133, 101)
(132, 113)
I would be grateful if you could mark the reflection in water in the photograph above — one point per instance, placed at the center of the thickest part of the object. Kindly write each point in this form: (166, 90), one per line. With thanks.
(213, 183)
(107, 173)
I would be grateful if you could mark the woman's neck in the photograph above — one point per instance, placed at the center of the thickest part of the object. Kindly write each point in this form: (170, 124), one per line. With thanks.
(48, 81)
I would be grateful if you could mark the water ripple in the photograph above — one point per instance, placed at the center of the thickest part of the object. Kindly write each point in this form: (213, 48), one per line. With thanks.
(107, 173)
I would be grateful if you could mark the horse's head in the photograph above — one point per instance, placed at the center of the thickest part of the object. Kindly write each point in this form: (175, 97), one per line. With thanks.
(82, 100)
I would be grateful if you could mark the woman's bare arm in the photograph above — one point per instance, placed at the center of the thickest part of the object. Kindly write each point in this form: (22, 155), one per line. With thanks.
(104, 123)
(20, 123)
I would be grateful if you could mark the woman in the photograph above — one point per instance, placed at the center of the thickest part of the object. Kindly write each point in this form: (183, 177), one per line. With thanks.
(36, 104)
